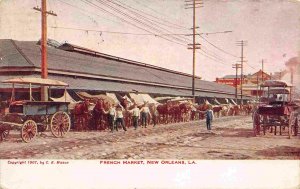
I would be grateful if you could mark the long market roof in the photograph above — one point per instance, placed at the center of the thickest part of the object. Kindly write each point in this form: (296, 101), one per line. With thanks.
(107, 73)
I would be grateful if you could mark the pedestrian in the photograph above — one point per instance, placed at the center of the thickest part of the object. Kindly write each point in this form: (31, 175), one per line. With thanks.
(155, 116)
(145, 113)
(135, 116)
(111, 117)
(120, 117)
(209, 117)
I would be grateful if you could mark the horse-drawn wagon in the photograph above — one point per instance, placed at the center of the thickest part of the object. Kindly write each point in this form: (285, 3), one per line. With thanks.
(31, 117)
(276, 109)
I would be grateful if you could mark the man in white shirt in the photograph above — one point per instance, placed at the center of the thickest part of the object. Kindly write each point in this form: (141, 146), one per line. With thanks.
(145, 112)
(120, 118)
(135, 116)
(111, 117)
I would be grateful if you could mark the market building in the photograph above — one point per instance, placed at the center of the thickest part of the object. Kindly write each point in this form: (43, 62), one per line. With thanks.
(87, 70)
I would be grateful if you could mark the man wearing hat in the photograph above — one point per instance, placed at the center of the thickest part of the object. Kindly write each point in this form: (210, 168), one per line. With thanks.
(209, 117)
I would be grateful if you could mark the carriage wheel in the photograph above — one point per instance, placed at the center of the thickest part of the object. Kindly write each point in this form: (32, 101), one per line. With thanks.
(60, 124)
(29, 130)
(256, 124)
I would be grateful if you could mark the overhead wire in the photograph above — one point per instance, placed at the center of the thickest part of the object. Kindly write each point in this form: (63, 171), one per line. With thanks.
(86, 12)
(147, 15)
(126, 21)
(143, 18)
(157, 12)
(118, 32)
(135, 19)
(204, 53)
(220, 49)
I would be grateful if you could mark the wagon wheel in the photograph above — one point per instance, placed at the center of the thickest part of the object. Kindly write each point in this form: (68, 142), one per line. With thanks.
(28, 130)
(60, 124)
(256, 123)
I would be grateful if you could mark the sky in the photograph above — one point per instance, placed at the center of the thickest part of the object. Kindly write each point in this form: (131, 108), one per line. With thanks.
(270, 27)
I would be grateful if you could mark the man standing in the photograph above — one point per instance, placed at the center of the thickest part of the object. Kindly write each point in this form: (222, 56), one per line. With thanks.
(209, 117)
(120, 118)
(135, 116)
(145, 112)
(111, 117)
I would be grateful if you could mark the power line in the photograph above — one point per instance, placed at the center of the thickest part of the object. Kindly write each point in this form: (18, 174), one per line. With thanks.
(118, 32)
(85, 12)
(124, 20)
(153, 10)
(127, 33)
(204, 53)
(217, 47)
(139, 13)
(139, 20)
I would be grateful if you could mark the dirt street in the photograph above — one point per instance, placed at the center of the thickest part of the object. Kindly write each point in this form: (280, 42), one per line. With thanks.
(231, 138)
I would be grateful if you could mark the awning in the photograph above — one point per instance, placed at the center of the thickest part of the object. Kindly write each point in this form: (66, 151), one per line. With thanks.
(275, 83)
(36, 81)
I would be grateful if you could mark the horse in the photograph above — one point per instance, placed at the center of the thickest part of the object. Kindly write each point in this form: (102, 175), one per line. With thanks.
(81, 115)
(175, 113)
(164, 110)
(201, 108)
(185, 109)
(100, 115)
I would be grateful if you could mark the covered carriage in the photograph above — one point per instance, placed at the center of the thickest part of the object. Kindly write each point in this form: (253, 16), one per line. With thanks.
(276, 109)
(31, 117)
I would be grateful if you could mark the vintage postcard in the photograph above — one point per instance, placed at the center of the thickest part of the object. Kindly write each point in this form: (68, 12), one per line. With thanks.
(152, 93)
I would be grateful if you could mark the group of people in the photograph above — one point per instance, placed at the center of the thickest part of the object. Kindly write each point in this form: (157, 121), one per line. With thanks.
(116, 117)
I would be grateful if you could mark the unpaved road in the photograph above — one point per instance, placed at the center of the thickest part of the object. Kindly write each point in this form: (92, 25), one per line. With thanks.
(231, 138)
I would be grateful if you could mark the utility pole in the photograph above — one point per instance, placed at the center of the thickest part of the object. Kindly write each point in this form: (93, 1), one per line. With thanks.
(257, 87)
(236, 66)
(262, 70)
(193, 4)
(242, 43)
(44, 65)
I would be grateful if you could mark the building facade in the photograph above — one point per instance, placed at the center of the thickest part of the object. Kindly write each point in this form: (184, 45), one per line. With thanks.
(250, 85)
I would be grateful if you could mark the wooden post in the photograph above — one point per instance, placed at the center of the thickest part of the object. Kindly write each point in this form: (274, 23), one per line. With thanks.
(30, 92)
(44, 65)
(65, 94)
(13, 95)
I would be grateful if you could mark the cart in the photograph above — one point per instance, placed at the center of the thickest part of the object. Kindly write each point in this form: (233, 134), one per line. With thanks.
(31, 117)
(276, 109)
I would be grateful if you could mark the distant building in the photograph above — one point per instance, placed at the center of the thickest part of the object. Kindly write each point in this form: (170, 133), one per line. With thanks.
(250, 82)
(229, 80)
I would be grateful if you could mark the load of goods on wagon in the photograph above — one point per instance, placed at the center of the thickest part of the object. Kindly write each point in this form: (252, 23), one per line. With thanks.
(31, 117)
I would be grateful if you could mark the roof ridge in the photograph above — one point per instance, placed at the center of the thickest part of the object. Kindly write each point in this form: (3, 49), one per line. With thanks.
(21, 52)
(124, 60)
